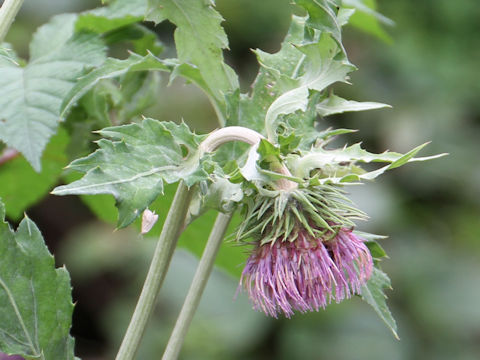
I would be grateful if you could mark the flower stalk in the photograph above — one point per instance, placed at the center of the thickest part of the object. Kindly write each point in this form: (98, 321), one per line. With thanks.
(8, 12)
(197, 287)
(156, 273)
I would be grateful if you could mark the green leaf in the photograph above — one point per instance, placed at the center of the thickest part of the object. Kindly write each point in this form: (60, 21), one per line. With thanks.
(110, 69)
(7, 55)
(35, 298)
(323, 16)
(22, 187)
(376, 250)
(373, 294)
(200, 41)
(93, 112)
(368, 7)
(367, 19)
(139, 91)
(117, 14)
(336, 105)
(220, 195)
(144, 40)
(30, 96)
(133, 165)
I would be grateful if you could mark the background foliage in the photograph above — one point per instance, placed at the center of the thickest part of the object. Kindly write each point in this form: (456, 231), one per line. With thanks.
(431, 212)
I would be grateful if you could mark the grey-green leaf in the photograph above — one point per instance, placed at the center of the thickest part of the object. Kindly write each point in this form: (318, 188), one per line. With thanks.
(323, 16)
(133, 165)
(35, 298)
(30, 96)
(373, 294)
(336, 105)
(342, 159)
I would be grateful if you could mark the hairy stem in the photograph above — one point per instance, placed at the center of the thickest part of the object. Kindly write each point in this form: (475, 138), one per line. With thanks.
(156, 274)
(197, 287)
(8, 11)
(246, 135)
(227, 134)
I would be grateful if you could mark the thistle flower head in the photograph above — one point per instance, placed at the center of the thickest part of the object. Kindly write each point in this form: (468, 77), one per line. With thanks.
(306, 274)
(306, 254)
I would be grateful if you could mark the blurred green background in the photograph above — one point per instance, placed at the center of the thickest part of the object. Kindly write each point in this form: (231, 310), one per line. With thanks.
(427, 68)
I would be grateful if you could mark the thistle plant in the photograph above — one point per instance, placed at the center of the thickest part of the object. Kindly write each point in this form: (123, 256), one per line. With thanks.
(289, 183)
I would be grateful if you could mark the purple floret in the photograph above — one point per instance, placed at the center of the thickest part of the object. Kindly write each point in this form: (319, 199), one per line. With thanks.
(11, 357)
(307, 273)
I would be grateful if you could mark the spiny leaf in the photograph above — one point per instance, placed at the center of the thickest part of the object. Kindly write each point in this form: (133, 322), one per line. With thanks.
(133, 165)
(323, 16)
(338, 159)
(278, 74)
(373, 294)
(286, 79)
(321, 70)
(30, 97)
(317, 62)
(408, 157)
(336, 105)
(35, 298)
(286, 90)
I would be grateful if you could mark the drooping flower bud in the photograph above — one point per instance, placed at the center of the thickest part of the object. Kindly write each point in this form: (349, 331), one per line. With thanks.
(305, 253)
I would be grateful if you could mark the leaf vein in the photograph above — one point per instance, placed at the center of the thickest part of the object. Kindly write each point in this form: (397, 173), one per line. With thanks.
(19, 316)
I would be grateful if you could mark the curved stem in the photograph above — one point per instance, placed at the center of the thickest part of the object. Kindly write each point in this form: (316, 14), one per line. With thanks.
(227, 134)
(197, 287)
(156, 273)
(249, 136)
(8, 11)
